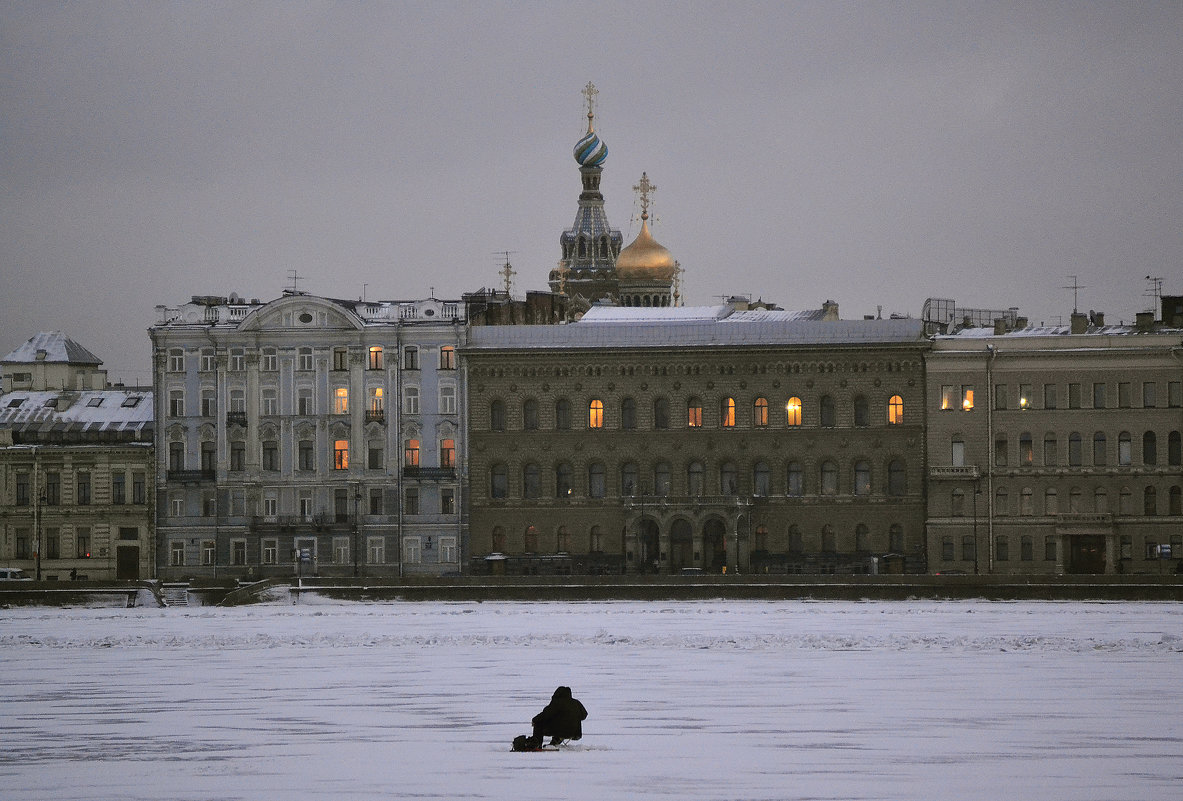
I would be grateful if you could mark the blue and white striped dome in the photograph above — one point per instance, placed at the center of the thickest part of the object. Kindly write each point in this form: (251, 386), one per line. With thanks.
(590, 151)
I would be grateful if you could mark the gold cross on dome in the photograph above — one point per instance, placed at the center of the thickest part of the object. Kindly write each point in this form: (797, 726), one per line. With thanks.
(508, 272)
(645, 188)
(590, 91)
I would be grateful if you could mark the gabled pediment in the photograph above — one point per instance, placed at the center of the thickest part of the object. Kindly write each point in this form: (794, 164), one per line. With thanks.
(301, 312)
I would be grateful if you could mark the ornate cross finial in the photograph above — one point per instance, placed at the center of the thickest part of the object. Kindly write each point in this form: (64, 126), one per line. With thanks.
(563, 270)
(678, 283)
(645, 188)
(589, 92)
(508, 272)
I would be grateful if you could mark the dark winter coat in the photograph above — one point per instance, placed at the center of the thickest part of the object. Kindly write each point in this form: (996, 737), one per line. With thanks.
(562, 717)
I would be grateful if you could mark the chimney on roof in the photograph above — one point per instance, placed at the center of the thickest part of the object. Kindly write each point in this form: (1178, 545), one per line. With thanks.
(1145, 321)
(999, 326)
(830, 310)
(1020, 323)
(1080, 322)
(1096, 318)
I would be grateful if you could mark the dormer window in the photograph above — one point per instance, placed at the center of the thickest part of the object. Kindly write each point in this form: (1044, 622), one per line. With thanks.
(130, 402)
(94, 402)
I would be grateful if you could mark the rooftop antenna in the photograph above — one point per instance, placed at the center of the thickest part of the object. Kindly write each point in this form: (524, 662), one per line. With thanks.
(1075, 287)
(1155, 292)
(294, 277)
(363, 292)
(507, 272)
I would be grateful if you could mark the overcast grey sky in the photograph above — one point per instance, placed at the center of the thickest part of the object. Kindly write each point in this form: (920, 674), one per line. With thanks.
(872, 153)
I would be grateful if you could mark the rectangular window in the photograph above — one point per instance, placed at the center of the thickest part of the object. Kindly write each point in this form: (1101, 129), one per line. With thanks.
(176, 403)
(1124, 395)
(447, 501)
(238, 456)
(376, 503)
(81, 489)
(341, 551)
(270, 507)
(375, 551)
(447, 549)
(270, 552)
(270, 455)
(1049, 549)
(118, 488)
(948, 396)
(176, 361)
(209, 552)
(1001, 550)
(270, 402)
(53, 543)
(82, 542)
(176, 553)
(306, 455)
(1000, 451)
(1149, 394)
(238, 401)
(1026, 549)
(447, 358)
(1049, 396)
(22, 489)
(410, 358)
(1175, 394)
(1026, 397)
(410, 400)
(957, 453)
(1001, 393)
(237, 360)
(238, 552)
(177, 505)
(304, 359)
(411, 550)
(1074, 396)
(139, 488)
(208, 362)
(411, 453)
(270, 361)
(447, 399)
(305, 501)
(209, 403)
(375, 357)
(374, 458)
(209, 503)
(341, 400)
(448, 453)
(304, 402)
(341, 454)
(340, 359)
(1098, 396)
(411, 501)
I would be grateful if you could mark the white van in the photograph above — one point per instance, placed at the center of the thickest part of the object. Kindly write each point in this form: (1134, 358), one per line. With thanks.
(13, 574)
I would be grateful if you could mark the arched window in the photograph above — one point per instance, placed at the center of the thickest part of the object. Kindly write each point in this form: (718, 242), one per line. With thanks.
(1026, 502)
(829, 478)
(1176, 501)
(1051, 449)
(562, 414)
(796, 480)
(1001, 502)
(897, 478)
(628, 414)
(895, 410)
(1101, 500)
(1099, 448)
(629, 480)
(826, 406)
(531, 481)
(1026, 450)
(498, 481)
(1149, 448)
(563, 487)
(1125, 451)
(760, 412)
(694, 413)
(728, 482)
(530, 539)
(661, 413)
(497, 415)
(1051, 502)
(862, 538)
(1150, 502)
(661, 479)
(862, 478)
(694, 479)
(530, 415)
(862, 412)
(1075, 500)
(829, 540)
(498, 539)
(727, 413)
(595, 414)
(1174, 449)
(793, 411)
(1125, 501)
(596, 483)
(1075, 457)
(761, 479)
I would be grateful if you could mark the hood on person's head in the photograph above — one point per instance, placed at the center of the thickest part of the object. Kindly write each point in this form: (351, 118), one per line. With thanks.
(562, 692)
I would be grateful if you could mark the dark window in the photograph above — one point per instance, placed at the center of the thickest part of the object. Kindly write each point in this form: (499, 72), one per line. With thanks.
(826, 405)
(118, 488)
(661, 413)
(862, 412)
(270, 455)
(1149, 448)
(498, 481)
(562, 414)
(497, 415)
(628, 414)
(530, 415)
(531, 481)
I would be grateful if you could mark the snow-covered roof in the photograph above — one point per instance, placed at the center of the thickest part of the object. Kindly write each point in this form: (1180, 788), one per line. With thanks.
(654, 314)
(80, 414)
(1053, 331)
(652, 332)
(56, 346)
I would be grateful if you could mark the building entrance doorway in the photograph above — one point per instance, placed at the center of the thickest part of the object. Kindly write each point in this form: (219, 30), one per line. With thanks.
(127, 563)
(650, 549)
(1086, 553)
(714, 545)
(681, 546)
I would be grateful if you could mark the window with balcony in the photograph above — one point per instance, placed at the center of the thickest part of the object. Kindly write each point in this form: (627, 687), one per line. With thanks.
(447, 453)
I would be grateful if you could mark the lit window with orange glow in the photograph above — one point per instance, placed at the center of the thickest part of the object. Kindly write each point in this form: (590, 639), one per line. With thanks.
(694, 413)
(727, 413)
(447, 453)
(376, 399)
(895, 410)
(341, 400)
(411, 453)
(793, 411)
(595, 414)
(376, 357)
(760, 412)
(341, 454)
(967, 398)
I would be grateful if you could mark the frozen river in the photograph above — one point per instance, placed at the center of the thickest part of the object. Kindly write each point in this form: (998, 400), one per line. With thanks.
(712, 700)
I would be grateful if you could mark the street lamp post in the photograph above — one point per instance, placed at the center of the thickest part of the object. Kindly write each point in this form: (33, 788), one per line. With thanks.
(356, 502)
(977, 492)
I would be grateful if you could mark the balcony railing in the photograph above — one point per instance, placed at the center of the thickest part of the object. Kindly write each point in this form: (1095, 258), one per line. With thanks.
(430, 473)
(376, 416)
(191, 476)
(236, 418)
(970, 472)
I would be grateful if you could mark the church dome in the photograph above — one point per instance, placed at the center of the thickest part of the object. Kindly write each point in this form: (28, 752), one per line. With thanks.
(590, 151)
(645, 259)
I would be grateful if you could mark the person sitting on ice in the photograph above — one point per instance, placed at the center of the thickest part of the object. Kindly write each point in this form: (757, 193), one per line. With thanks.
(560, 720)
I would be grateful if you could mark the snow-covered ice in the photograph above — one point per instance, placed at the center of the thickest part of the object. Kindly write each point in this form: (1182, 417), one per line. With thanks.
(710, 700)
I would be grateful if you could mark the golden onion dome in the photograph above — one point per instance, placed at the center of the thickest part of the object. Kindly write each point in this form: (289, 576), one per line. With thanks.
(645, 258)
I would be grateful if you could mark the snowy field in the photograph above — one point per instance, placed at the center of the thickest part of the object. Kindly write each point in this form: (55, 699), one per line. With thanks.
(922, 700)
